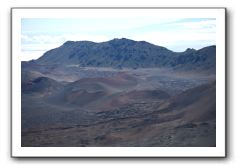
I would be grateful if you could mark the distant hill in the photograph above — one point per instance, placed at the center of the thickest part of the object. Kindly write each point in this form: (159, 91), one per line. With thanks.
(42, 85)
(119, 53)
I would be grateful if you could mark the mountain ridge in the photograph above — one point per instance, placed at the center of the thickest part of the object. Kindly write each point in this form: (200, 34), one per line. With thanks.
(126, 53)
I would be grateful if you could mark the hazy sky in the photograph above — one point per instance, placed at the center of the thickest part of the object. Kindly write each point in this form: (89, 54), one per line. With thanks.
(39, 35)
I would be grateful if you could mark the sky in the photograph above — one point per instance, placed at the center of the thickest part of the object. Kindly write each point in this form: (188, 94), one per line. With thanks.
(39, 35)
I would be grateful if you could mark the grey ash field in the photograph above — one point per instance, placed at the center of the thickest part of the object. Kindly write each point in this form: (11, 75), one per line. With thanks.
(119, 93)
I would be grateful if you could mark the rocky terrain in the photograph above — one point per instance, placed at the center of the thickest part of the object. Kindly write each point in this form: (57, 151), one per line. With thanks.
(119, 93)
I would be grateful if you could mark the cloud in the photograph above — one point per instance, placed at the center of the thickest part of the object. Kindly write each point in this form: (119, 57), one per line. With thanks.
(205, 26)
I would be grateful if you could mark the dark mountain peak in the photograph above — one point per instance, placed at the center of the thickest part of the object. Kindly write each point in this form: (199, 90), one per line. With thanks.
(189, 50)
(121, 42)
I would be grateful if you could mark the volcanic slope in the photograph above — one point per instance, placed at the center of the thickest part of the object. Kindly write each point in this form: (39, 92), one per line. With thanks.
(187, 119)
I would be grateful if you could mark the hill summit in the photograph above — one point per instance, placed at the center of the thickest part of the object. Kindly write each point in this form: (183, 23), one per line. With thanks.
(118, 53)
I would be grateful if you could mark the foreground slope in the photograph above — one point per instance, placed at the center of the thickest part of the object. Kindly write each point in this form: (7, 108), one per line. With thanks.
(187, 119)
